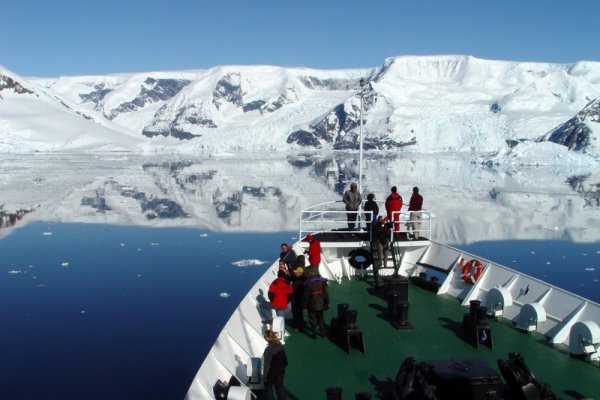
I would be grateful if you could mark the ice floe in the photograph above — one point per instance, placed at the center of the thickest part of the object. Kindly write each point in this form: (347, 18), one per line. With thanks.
(224, 295)
(64, 264)
(248, 263)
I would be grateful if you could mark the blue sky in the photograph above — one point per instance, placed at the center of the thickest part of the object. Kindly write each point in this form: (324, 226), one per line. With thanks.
(80, 37)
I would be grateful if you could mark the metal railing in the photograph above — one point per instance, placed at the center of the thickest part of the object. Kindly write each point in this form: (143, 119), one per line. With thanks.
(332, 216)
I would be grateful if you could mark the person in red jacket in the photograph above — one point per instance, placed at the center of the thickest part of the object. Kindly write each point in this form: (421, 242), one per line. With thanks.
(414, 206)
(314, 253)
(393, 205)
(279, 294)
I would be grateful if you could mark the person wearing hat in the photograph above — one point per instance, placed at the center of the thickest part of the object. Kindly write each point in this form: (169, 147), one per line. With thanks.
(316, 300)
(352, 200)
(371, 206)
(313, 252)
(297, 279)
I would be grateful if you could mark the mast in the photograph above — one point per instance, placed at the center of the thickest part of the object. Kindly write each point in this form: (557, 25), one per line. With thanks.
(360, 154)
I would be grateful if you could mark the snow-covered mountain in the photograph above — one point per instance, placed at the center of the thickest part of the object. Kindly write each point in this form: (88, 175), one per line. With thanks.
(424, 104)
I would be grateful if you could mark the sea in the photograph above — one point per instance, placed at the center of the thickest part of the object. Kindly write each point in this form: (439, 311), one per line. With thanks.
(117, 272)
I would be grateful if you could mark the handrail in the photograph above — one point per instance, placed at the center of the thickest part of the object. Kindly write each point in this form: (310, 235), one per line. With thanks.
(324, 217)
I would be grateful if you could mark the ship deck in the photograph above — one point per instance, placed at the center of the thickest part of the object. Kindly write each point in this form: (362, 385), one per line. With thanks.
(436, 334)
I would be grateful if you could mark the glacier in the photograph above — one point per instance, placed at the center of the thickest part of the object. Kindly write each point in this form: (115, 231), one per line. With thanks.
(427, 104)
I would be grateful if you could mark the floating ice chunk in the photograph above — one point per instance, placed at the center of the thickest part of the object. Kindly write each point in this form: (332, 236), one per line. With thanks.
(248, 263)
(548, 263)
(123, 244)
(15, 272)
(203, 235)
(139, 275)
(82, 312)
(64, 264)
(154, 244)
(590, 269)
(224, 295)
(47, 233)
(532, 252)
(584, 254)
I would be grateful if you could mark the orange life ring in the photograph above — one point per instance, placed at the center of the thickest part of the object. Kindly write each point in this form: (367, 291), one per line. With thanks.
(471, 270)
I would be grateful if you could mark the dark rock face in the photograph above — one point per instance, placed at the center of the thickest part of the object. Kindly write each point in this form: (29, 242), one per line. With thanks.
(314, 83)
(253, 105)
(6, 82)
(97, 95)
(152, 90)
(190, 115)
(228, 90)
(8, 219)
(287, 97)
(341, 128)
(97, 202)
(575, 133)
(162, 208)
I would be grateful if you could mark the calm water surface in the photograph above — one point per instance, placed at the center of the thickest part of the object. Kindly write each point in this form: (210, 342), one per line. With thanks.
(93, 310)
(110, 312)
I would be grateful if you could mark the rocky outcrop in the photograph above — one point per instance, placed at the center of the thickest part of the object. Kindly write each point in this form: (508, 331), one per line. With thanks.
(228, 90)
(152, 91)
(8, 83)
(576, 133)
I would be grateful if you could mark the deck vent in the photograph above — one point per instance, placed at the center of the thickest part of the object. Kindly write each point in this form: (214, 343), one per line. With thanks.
(530, 316)
(497, 300)
(584, 340)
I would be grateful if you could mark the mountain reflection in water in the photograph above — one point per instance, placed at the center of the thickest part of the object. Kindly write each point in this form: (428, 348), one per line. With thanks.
(472, 201)
(123, 283)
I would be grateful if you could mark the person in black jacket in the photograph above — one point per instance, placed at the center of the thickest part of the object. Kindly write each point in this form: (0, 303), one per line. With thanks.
(372, 206)
(274, 362)
(298, 284)
(380, 243)
(316, 300)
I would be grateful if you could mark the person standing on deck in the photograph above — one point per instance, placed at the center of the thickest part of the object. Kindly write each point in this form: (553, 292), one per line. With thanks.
(393, 205)
(414, 206)
(314, 253)
(381, 241)
(297, 285)
(275, 362)
(352, 199)
(316, 300)
(371, 206)
(288, 256)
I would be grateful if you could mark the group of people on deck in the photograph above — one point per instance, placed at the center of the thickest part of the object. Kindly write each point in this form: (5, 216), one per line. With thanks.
(393, 205)
(302, 286)
(380, 226)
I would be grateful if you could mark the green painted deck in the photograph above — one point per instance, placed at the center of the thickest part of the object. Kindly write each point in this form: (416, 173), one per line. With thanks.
(316, 364)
